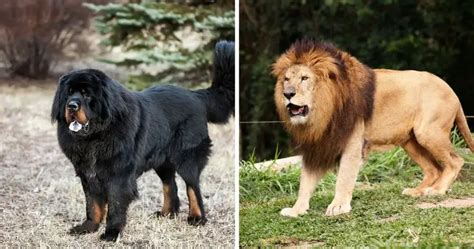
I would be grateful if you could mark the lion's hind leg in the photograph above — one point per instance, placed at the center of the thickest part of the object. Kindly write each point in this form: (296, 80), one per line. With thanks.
(431, 169)
(441, 148)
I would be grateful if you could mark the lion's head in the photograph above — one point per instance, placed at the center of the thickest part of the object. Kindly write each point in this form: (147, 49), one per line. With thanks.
(320, 93)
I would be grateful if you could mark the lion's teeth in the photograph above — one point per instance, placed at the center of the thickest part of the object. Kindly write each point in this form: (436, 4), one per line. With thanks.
(75, 126)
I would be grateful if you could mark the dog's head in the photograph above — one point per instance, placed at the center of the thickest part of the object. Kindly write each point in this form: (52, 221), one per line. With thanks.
(85, 102)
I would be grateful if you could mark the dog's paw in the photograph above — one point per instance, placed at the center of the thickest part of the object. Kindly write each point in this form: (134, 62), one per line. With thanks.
(413, 192)
(110, 235)
(291, 212)
(197, 220)
(338, 208)
(170, 215)
(86, 227)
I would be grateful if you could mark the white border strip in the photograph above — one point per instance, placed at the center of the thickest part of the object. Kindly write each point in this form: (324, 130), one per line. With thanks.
(236, 127)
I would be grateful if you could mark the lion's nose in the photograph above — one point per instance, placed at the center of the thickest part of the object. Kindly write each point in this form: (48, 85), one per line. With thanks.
(289, 95)
(73, 105)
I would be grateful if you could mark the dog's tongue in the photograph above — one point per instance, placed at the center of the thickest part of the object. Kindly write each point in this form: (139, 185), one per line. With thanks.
(75, 126)
(296, 111)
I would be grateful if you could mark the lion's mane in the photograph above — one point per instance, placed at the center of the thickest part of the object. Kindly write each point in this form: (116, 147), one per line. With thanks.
(350, 94)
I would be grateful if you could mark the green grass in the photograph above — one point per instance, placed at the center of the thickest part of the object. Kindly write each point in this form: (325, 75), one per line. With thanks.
(380, 217)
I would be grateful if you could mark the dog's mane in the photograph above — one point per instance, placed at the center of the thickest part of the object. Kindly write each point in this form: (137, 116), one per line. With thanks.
(352, 97)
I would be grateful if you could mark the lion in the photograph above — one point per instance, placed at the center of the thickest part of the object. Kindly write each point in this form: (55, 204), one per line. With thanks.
(338, 110)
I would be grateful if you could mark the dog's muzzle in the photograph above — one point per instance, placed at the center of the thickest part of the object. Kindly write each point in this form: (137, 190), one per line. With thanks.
(76, 126)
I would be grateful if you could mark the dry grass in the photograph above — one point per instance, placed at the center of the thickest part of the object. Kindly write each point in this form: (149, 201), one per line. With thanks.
(40, 197)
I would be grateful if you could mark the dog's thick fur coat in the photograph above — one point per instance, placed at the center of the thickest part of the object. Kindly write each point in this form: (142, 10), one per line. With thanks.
(126, 133)
(337, 110)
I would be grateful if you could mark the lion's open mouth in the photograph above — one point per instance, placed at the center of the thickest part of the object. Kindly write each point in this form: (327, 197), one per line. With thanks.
(296, 110)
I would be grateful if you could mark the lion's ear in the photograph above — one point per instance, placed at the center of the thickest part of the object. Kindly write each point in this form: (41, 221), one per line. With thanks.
(340, 70)
(332, 69)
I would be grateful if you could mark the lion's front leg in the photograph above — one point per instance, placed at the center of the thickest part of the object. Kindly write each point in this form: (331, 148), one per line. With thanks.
(308, 180)
(351, 162)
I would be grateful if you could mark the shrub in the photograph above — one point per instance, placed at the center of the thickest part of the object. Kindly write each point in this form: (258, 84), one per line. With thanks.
(33, 34)
(151, 33)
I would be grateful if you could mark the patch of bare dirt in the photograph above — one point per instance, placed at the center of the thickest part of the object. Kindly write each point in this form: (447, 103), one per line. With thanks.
(40, 197)
(449, 203)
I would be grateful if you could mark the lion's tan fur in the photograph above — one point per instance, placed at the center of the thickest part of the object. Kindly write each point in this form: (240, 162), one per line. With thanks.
(354, 109)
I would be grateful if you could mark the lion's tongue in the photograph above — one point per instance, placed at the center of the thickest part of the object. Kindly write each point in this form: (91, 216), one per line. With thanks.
(75, 126)
(296, 111)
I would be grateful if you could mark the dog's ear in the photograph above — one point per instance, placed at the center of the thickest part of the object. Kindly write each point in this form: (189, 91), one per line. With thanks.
(112, 103)
(105, 104)
(57, 110)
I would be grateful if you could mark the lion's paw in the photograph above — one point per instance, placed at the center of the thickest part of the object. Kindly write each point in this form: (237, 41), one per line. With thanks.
(291, 212)
(413, 192)
(433, 191)
(337, 208)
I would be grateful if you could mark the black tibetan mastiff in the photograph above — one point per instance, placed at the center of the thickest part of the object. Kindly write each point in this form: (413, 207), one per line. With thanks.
(112, 135)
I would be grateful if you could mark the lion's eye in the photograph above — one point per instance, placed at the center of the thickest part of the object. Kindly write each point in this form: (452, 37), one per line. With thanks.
(286, 79)
(304, 78)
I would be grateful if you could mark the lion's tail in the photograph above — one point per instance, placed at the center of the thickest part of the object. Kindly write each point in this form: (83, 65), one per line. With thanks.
(461, 122)
(219, 98)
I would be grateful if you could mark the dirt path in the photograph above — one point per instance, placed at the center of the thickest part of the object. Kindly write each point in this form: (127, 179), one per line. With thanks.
(40, 197)
(449, 203)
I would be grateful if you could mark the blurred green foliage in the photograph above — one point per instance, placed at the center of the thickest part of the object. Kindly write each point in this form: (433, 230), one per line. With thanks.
(153, 33)
(432, 35)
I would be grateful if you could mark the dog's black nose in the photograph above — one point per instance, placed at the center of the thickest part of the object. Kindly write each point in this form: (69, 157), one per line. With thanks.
(73, 106)
(289, 95)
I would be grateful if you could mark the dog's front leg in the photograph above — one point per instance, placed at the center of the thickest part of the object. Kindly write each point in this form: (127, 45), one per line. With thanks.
(95, 206)
(309, 178)
(121, 191)
(351, 162)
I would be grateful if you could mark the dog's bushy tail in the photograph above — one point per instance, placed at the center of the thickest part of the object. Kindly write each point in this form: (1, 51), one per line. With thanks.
(219, 98)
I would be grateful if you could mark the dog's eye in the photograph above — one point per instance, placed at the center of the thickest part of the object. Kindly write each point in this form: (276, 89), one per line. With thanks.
(304, 78)
(84, 93)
